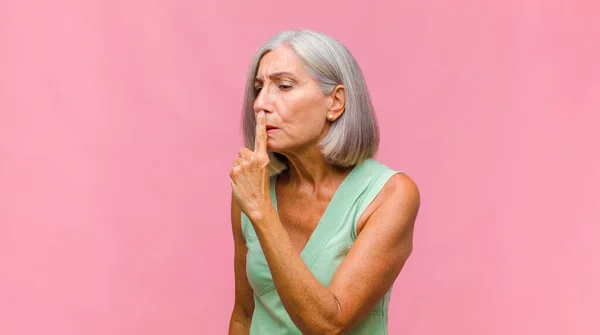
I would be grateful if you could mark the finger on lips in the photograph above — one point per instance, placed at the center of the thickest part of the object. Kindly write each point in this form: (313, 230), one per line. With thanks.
(247, 157)
(260, 143)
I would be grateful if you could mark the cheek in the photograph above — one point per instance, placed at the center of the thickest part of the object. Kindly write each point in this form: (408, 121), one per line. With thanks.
(309, 127)
(304, 117)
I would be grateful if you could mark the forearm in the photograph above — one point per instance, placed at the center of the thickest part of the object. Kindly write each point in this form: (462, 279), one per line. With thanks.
(312, 306)
(239, 324)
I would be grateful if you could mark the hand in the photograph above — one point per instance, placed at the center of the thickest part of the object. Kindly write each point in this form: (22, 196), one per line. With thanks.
(250, 175)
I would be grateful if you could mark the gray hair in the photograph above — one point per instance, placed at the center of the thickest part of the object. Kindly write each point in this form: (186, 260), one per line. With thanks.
(354, 136)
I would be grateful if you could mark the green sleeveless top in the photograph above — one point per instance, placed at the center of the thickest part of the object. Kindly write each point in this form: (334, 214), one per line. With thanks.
(323, 253)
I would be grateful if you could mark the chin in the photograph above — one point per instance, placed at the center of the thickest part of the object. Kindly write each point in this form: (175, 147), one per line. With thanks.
(273, 147)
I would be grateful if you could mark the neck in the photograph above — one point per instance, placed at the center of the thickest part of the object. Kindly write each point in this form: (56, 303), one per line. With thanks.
(309, 169)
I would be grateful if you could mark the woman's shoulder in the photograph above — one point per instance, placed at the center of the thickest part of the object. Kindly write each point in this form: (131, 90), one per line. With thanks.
(397, 185)
(389, 193)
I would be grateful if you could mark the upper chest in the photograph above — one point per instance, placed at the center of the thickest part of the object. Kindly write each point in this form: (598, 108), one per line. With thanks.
(300, 211)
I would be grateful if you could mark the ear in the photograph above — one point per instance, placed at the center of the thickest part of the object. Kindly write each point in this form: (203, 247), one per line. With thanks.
(338, 102)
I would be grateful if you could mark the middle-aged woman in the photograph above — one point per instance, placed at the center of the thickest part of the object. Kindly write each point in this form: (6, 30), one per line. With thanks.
(321, 229)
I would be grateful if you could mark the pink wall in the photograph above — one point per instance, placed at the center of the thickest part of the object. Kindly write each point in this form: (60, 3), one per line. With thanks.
(119, 121)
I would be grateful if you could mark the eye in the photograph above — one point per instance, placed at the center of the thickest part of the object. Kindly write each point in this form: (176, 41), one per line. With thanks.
(285, 87)
(257, 90)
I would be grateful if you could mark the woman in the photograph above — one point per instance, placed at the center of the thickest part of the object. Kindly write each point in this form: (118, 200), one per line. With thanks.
(321, 229)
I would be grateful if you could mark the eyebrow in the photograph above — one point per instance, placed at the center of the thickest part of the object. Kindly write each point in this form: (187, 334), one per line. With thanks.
(277, 75)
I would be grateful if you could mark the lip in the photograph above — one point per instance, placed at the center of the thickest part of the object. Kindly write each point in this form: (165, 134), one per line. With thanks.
(269, 127)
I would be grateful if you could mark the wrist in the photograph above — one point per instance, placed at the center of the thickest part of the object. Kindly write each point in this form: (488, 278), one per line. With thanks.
(260, 216)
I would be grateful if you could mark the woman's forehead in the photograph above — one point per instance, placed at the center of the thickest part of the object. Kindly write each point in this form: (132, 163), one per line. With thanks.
(278, 62)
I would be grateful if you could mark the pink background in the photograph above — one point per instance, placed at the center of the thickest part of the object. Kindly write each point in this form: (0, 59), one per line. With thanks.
(119, 121)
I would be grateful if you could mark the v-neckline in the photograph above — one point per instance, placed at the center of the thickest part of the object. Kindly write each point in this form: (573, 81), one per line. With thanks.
(313, 239)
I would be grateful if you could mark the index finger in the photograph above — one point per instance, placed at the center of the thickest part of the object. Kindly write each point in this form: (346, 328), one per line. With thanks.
(260, 143)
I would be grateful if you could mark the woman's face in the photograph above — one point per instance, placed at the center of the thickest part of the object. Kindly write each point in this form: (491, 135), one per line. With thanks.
(295, 107)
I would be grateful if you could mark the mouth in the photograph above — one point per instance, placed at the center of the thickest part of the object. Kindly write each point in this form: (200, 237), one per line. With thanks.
(269, 127)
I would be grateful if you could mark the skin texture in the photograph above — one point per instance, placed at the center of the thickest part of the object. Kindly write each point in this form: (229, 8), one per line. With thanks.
(288, 98)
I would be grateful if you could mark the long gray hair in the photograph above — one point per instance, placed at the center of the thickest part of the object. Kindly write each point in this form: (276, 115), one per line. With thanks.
(354, 136)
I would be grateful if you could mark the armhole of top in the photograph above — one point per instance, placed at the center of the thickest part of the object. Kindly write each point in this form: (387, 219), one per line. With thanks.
(374, 188)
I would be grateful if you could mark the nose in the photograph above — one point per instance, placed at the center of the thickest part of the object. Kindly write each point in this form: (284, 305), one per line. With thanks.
(263, 102)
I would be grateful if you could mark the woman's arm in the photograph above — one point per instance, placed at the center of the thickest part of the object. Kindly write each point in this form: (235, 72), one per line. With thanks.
(244, 302)
(366, 274)
(362, 279)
